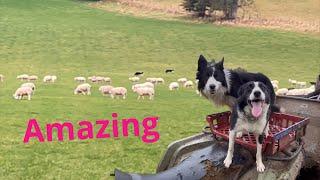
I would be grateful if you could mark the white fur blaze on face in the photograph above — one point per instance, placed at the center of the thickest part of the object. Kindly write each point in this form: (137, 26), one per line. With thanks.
(212, 81)
(257, 98)
(257, 89)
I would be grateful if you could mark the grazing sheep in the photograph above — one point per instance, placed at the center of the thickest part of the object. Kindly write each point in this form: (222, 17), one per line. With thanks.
(152, 80)
(145, 91)
(146, 84)
(32, 78)
(92, 78)
(293, 82)
(23, 91)
(159, 81)
(1, 77)
(301, 92)
(100, 79)
(173, 86)
(134, 79)
(107, 79)
(182, 80)
(29, 84)
(198, 92)
(49, 78)
(118, 91)
(282, 91)
(80, 79)
(23, 77)
(84, 89)
(53, 78)
(105, 90)
(275, 84)
(188, 84)
(301, 84)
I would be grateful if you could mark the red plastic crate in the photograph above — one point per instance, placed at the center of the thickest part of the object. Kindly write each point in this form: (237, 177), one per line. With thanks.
(283, 130)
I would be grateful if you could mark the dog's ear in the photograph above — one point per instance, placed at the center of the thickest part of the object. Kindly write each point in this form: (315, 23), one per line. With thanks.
(219, 65)
(202, 63)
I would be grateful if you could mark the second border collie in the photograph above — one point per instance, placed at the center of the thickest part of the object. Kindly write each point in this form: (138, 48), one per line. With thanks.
(250, 114)
(221, 85)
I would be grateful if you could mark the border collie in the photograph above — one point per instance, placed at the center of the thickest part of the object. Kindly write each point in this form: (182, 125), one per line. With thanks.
(138, 73)
(250, 114)
(169, 70)
(221, 85)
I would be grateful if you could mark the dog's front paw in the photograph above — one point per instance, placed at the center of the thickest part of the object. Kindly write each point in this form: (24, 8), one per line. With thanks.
(227, 162)
(260, 167)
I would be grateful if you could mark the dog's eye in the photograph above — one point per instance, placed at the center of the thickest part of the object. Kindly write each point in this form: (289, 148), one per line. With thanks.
(251, 85)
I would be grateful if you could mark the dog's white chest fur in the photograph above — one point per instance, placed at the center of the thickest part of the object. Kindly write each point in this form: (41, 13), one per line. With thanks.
(247, 123)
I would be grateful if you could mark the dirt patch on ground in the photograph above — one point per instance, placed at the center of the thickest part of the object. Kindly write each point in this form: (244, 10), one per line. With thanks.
(255, 17)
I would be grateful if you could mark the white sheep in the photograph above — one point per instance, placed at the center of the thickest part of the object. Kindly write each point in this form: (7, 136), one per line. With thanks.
(146, 84)
(105, 90)
(23, 91)
(152, 80)
(159, 81)
(32, 78)
(182, 80)
(1, 77)
(145, 91)
(100, 79)
(53, 78)
(107, 79)
(173, 86)
(23, 77)
(84, 89)
(282, 91)
(301, 84)
(198, 92)
(80, 79)
(188, 84)
(92, 78)
(134, 79)
(275, 82)
(301, 92)
(29, 84)
(49, 78)
(118, 91)
(293, 82)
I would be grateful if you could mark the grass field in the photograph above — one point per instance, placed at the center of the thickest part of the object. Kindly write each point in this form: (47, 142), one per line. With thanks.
(68, 39)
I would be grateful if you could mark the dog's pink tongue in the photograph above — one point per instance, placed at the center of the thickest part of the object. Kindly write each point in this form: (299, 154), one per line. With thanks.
(256, 109)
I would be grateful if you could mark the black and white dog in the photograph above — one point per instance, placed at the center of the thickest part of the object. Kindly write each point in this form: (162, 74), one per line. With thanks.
(251, 113)
(221, 85)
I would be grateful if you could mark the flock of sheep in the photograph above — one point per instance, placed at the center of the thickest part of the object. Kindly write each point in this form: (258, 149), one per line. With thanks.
(141, 89)
(146, 89)
(298, 88)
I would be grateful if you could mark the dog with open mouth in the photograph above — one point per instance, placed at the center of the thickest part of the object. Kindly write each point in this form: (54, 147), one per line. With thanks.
(250, 113)
(220, 85)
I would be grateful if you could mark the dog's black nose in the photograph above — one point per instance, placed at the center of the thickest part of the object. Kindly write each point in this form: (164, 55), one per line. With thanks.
(212, 87)
(257, 94)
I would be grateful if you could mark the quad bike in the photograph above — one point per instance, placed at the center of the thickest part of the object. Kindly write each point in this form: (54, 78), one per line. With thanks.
(290, 146)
